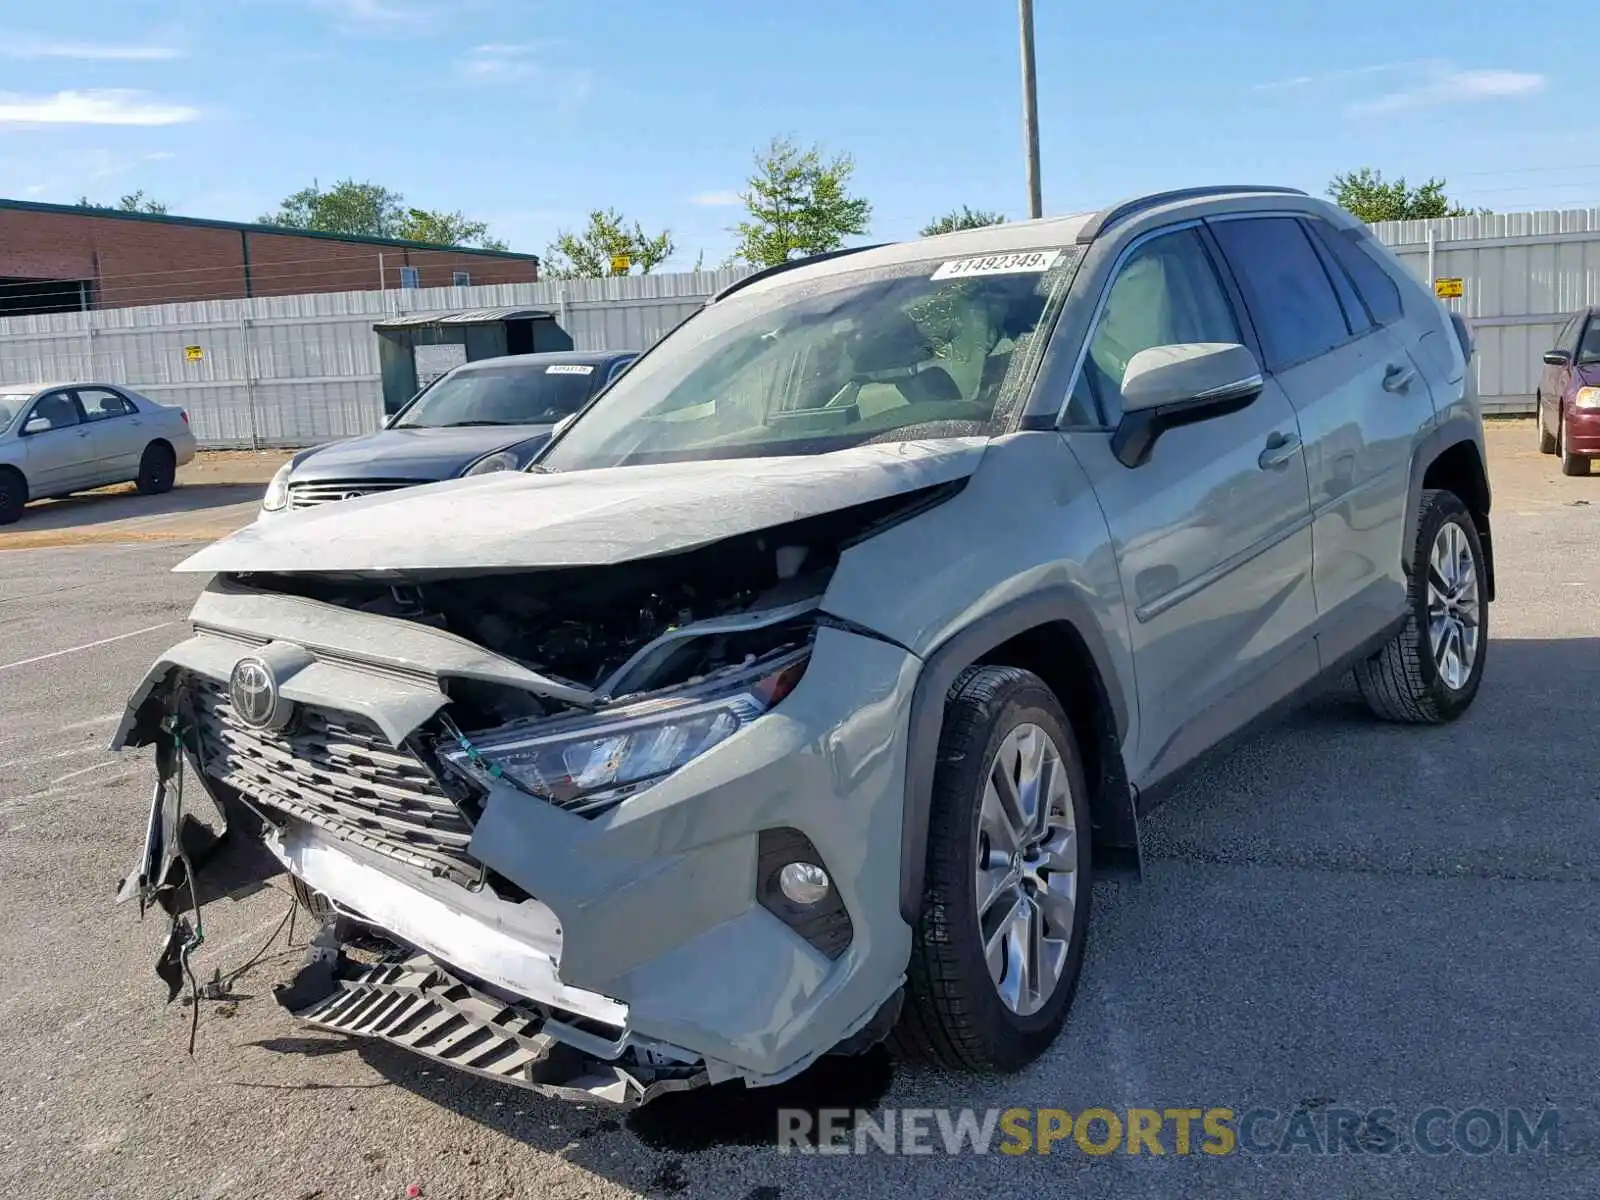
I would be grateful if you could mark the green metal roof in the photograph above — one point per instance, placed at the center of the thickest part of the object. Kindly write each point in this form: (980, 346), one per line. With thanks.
(117, 214)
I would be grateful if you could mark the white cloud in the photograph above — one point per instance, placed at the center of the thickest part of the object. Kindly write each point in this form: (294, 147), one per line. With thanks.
(376, 15)
(525, 63)
(109, 106)
(1445, 84)
(36, 47)
(723, 199)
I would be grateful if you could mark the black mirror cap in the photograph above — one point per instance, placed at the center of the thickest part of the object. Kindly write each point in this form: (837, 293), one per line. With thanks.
(1557, 358)
(1137, 433)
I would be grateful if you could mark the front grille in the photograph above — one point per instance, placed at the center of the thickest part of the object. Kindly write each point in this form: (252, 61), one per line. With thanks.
(323, 491)
(338, 772)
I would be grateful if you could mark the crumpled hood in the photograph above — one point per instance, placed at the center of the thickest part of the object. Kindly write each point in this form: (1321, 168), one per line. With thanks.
(409, 453)
(582, 518)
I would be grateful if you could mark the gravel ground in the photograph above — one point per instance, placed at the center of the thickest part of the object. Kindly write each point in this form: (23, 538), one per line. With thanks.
(1336, 913)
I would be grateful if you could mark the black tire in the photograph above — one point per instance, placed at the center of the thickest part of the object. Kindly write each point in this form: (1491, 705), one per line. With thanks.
(13, 495)
(1547, 440)
(1402, 682)
(953, 1013)
(1571, 464)
(158, 468)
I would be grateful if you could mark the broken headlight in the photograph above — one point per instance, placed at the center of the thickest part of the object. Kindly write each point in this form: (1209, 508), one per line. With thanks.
(590, 763)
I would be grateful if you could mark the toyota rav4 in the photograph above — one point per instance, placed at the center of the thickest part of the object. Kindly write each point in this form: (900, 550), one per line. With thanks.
(792, 698)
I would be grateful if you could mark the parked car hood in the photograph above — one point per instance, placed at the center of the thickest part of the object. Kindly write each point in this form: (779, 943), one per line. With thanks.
(518, 520)
(409, 453)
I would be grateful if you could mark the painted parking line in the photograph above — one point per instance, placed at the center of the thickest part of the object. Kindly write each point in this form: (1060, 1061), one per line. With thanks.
(23, 662)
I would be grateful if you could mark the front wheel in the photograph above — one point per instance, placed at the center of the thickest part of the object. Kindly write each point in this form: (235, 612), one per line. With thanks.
(1429, 673)
(998, 947)
(1571, 464)
(13, 495)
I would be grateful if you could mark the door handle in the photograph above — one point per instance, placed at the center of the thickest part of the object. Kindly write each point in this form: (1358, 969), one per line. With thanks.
(1398, 378)
(1281, 447)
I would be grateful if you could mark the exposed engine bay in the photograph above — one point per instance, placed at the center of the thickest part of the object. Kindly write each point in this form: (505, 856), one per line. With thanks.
(590, 626)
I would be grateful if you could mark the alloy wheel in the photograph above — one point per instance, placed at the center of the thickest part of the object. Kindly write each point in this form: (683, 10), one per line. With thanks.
(1453, 606)
(1026, 870)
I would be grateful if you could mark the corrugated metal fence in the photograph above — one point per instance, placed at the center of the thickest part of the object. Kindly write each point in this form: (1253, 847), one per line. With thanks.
(1522, 276)
(297, 370)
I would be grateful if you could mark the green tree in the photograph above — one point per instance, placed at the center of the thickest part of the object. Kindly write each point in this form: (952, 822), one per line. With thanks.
(590, 254)
(962, 218)
(798, 202)
(132, 202)
(372, 210)
(1367, 195)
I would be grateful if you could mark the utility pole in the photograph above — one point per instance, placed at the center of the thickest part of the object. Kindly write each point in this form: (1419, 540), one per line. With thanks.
(1030, 109)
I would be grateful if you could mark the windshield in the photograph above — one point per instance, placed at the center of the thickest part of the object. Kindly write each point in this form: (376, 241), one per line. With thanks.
(11, 406)
(513, 394)
(918, 350)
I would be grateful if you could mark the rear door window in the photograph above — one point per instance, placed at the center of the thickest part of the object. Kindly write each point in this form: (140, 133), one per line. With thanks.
(100, 404)
(1290, 297)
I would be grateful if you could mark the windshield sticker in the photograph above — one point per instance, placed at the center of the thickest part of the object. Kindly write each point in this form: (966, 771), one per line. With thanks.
(569, 369)
(1027, 263)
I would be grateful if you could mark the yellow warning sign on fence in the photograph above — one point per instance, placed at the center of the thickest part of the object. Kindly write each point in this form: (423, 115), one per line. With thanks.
(194, 353)
(1447, 289)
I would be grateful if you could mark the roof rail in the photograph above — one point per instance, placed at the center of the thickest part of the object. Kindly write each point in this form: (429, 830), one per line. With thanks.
(1127, 208)
(767, 272)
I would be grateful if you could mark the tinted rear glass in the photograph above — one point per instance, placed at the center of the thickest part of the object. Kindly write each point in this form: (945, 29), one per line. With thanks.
(1379, 291)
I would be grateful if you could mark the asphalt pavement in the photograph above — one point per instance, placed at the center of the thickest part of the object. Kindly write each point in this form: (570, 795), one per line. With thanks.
(1335, 915)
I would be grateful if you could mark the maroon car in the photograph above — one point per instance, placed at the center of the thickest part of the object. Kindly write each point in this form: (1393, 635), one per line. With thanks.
(1568, 400)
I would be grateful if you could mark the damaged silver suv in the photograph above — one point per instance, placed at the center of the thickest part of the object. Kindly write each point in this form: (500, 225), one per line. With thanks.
(792, 699)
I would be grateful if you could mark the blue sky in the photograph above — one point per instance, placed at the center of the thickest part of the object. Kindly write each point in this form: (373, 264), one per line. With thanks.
(527, 113)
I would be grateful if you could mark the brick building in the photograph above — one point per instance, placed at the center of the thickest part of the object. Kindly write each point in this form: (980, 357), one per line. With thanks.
(56, 258)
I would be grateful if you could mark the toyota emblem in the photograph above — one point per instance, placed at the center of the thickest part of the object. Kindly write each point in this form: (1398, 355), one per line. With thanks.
(253, 689)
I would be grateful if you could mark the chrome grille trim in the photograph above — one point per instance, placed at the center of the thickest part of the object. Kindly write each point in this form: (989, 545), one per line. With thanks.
(325, 491)
(336, 771)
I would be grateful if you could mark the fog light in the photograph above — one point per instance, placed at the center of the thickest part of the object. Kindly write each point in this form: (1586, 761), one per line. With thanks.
(803, 883)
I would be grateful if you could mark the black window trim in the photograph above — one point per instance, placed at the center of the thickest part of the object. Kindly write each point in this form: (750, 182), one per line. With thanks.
(72, 398)
(1335, 270)
(1298, 218)
(1230, 294)
(83, 409)
(1324, 230)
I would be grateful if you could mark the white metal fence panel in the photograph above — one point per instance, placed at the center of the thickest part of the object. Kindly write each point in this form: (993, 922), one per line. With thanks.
(1523, 275)
(297, 370)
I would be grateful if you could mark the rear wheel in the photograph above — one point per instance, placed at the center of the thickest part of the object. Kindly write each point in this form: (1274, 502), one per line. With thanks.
(1547, 440)
(998, 947)
(1429, 673)
(1571, 464)
(157, 469)
(13, 495)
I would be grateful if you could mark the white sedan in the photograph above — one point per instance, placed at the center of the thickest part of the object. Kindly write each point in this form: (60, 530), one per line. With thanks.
(60, 438)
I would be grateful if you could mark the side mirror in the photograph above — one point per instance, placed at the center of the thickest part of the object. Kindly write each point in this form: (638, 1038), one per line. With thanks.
(1168, 386)
(1557, 358)
(37, 425)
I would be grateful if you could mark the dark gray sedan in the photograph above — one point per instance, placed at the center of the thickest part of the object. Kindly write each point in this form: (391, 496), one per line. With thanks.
(491, 415)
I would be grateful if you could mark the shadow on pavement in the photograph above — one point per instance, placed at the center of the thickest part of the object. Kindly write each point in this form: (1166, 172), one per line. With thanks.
(123, 504)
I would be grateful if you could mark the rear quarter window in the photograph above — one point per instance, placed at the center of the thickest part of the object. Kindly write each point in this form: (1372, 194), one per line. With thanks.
(1351, 250)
